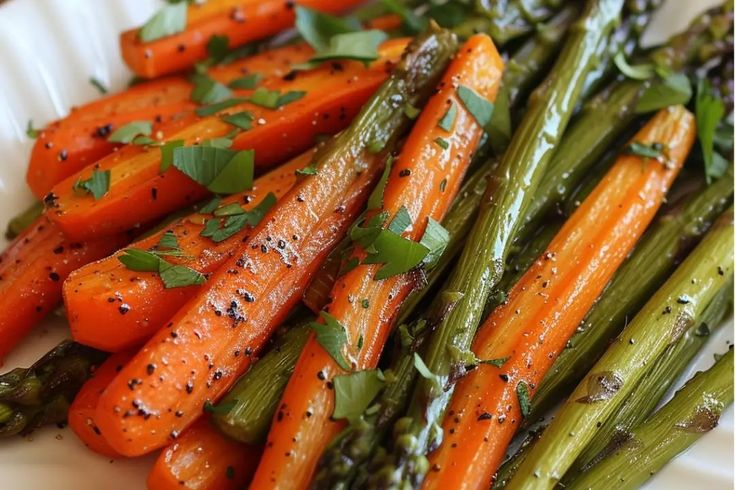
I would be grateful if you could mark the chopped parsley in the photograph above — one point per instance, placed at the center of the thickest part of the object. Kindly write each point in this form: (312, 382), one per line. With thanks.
(480, 108)
(32, 132)
(208, 91)
(168, 21)
(447, 120)
(354, 392)
(248, 82)
(97, 185)
(442, 143)
(636, 72)
(524, 398)
(98, 85)
(710, 111)
(167, 154)
(129, 132)
(172, 276)
(221, 170)
(672, 90)
(652, 150)
(332, 336)
(242, 120)
(230, 219)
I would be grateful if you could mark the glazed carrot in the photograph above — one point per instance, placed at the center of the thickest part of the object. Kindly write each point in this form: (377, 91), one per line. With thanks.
(204, 459)
(32, 270)
(424, 180)
(81, 411)
(139, 193)
(211, 340)
(547, 304)
(66, 146)
(242, 21)
(112, 307)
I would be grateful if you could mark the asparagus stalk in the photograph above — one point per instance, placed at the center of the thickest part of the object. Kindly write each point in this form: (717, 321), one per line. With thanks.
(677, 306)
(656, 382)
(23, 220)
(694, 411)
(41, 394)
(483, 258)
(511, 19)
(666, 243)
(510, 466)
(246, 411)
(609, 113)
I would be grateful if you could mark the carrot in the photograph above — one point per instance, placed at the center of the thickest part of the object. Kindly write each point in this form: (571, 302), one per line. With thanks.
(544, 308)
(81, 411)
(424, 179)
(68, 145)
(32, 270)
(204, 459)
(211, 340)
(94, 294)
(139, 193)
(388, 22)
(242, 21)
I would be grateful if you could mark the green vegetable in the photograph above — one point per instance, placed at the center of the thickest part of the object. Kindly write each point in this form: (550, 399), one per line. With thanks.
(172, 276)
(220, 170)
(359, 46)
(442, 143)
(318, 28)
(41, 394)
(694, 411)
(170, 20)
(668, 240)
(524, 398)
(673, 90)
(23, 220)
(397, 254)
(241, 120)
(254, 398)
(332, 336)
(248, 82)
(167, 154)
(710, 110)
(435, 239)
(127, 133)
(208, 90)
(32, 132)
(480, 108)
(217, 48)
(273, 99)
(236, 219)
(653, 150)
(98, 85)
(447, 120)
(211, 109)
(97, 185)
(661, 321)
(637, 72)
(354, 392)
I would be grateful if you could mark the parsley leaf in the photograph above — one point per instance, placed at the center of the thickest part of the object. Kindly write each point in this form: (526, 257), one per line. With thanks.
(139, 260)
(480, 108)
(221, 170)
(354, 392)
(424, 370)
(359, 46)
(127, 133)
(318, 28)
(178, 276)
(218, 47)
(208, 91)
(654, 150)
(494, 362)
(709, 112)
(236, 219)
(167, 154)
(273, 99)
(248, 82)
(332, 337)
(208, 110)
(636, 72)
(309, 170)
(173, 276)
(398, 254)
(242, 120)
(412, 23)
(524, 398)
(447, 120)
(375, 201)
(32, 132)
(672, 90)
(411, 111)
(169, 240)
(435, 239)
(401, 220)
(98, 85)
(170, 20)
(97, 185)
(442, 143)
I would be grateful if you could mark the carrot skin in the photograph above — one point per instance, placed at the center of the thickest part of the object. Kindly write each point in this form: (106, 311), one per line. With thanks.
(485, 410)
(68, 145)
(425, 178)
(203, 459)
(94, 294)
(32, 271)
(241, 21)
(81, 412)
(139, 194)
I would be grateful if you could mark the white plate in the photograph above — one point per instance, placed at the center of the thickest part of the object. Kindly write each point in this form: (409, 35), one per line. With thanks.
(48, 51)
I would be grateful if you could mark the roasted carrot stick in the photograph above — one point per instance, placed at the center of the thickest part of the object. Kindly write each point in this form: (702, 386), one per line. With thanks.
(204, 459)
(139, 193)
(424, 180)
(210, 341)
(242, 21)
(66, 146)
(81, 411)
(526, 333)
(32, 270)
(94, 295)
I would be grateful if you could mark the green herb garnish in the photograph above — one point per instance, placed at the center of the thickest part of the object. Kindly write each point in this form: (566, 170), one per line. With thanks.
(168, 21)
(97, 185)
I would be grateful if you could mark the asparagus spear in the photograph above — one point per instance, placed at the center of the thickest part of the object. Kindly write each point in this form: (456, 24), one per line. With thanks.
(40, 395)
(23, 220)
(667, 242)
(656, 382)
(511, 19)
(510, 466)
(694, 411)
(607, 116)
(483, 258)
(677, 306)
(246, 411)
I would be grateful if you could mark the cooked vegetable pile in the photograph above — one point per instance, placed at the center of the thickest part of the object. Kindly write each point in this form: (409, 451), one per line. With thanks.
(373, 250)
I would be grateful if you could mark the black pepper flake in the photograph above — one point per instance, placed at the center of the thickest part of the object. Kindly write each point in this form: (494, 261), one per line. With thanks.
(217, 375)
(179, 413)
(103, 131)
(50, 200)
(181, 48)
(321, 376)
(405, 172)
(667, 310)
(133, 383)
(720, 270)
(150, 369)
(154, 193)
(308, 413)
(485, 416)
(504, 377)
(123, 308)
(63, 155)
(59, 250)
(189, 387)
(54, 277)
(683, 299)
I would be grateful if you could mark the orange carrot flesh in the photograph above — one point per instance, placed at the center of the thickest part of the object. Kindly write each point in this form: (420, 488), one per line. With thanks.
(32, 271)
(241, 21)
(81, 412)
(203, 459)
(425, 178)
(211, 340)
(548, 303)
(138, 193)
(111, 307)
(70, 144)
